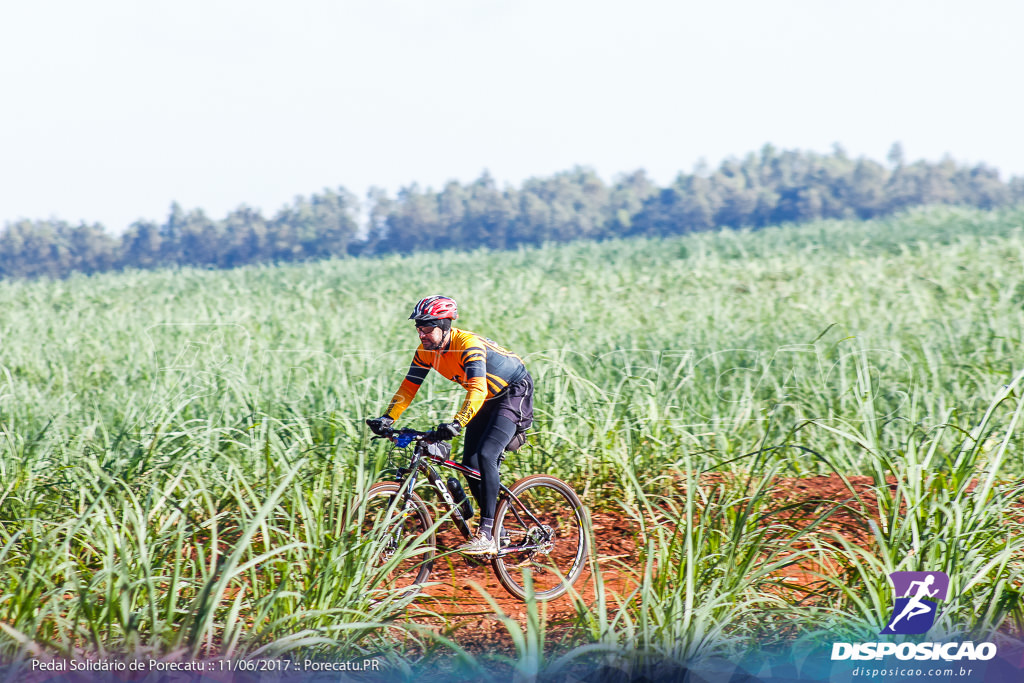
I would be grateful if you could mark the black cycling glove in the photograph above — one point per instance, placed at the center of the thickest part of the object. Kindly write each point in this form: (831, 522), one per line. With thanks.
(378, 425)
(448, 430)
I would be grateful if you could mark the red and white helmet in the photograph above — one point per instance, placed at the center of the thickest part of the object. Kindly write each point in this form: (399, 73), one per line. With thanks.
(435, 307)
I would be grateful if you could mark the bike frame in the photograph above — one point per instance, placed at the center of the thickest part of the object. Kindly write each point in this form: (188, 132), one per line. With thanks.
(422, 461)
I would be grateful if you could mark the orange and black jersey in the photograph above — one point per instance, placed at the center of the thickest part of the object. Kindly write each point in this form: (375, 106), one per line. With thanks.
(482, 367)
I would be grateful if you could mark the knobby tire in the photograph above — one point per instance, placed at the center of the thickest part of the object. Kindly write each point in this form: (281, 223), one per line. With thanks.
(554, 565)
(405, 532)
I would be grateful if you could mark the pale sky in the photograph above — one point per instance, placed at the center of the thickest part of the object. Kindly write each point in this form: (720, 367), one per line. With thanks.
(112, 109)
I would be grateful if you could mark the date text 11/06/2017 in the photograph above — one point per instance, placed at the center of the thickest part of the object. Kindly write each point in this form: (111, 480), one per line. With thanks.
(232, 665)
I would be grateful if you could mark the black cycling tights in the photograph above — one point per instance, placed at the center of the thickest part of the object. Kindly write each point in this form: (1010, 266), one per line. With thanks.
(483, 450)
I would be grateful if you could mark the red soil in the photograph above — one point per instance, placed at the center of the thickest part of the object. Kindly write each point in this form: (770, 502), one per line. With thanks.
(471, 621)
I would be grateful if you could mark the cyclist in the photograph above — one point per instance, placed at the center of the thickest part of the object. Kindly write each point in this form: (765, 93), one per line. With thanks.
(497, 410)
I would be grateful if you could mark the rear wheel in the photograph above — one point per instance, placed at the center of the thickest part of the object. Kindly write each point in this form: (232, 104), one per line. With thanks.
(403, 530)
(545, 535)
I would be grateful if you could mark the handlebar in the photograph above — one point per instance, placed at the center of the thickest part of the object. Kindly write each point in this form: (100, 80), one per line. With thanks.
(405, 436)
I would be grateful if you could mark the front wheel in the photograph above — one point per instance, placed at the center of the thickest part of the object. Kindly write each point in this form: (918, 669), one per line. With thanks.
(404, 533)
(545, 533)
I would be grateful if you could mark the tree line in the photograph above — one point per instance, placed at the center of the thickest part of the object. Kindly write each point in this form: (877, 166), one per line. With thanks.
(766, 188)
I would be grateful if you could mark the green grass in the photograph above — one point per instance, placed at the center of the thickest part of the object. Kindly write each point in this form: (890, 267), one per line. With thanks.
(182, 452)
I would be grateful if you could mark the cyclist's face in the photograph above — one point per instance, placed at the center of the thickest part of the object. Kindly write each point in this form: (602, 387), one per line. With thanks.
(431, 337)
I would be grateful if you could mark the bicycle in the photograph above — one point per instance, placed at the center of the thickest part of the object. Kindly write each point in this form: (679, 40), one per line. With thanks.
(540, 521)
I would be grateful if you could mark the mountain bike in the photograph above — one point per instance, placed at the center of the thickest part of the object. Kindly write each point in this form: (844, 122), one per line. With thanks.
(539, 521)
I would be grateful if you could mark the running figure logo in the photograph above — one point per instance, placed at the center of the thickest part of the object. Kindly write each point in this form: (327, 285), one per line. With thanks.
(916, 607)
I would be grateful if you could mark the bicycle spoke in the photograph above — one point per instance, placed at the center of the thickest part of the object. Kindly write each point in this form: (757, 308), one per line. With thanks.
(547, 537)
(402, 532)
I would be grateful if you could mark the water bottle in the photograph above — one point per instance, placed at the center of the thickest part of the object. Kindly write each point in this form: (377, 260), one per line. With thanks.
(461, 499)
